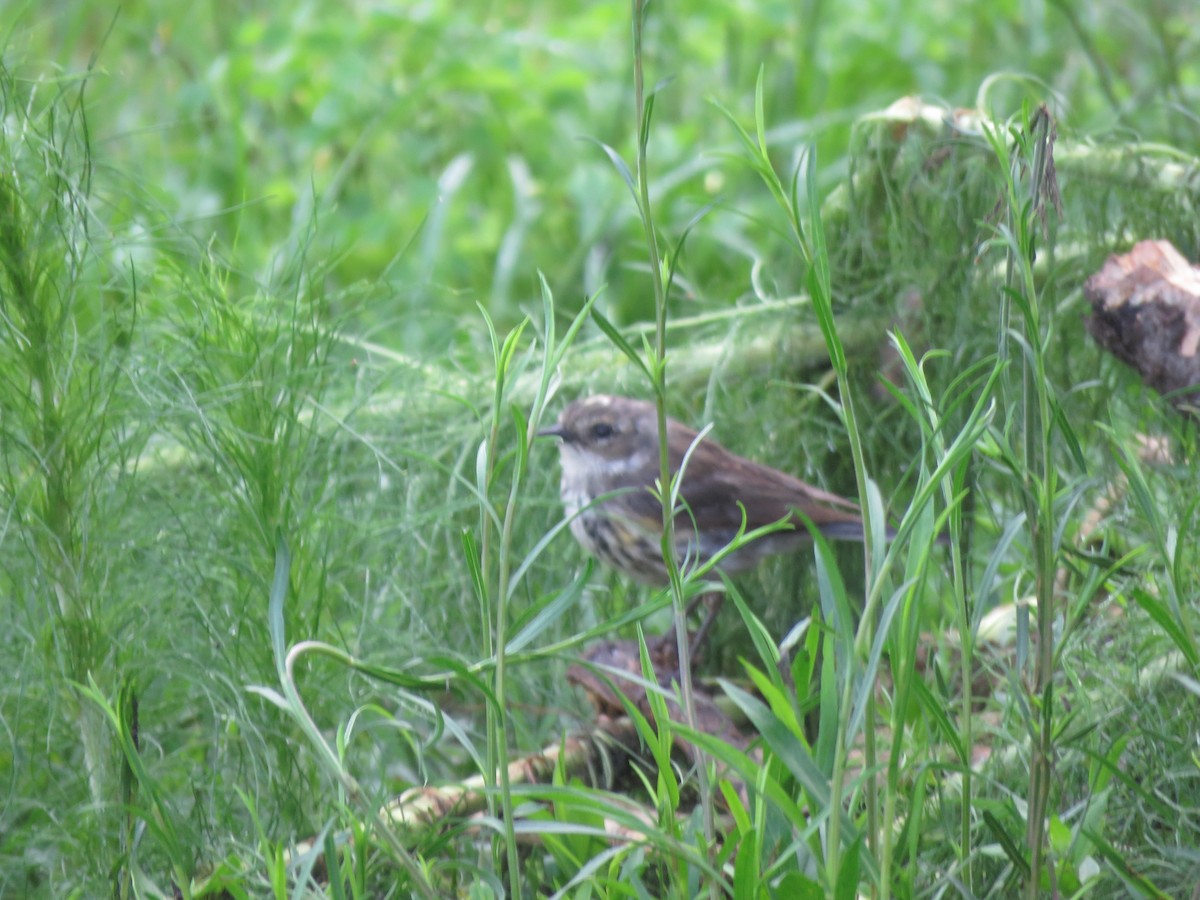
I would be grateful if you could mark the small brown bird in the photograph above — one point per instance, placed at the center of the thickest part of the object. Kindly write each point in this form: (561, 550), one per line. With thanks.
(611, 444)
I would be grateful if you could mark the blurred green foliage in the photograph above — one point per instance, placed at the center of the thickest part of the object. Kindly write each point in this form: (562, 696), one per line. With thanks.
(267, 187)
(446, 149)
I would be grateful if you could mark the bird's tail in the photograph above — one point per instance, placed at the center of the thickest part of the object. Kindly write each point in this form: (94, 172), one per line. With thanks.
(848, 531)
(853, 531)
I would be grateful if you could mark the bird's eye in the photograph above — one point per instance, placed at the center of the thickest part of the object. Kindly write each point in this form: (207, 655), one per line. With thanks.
(602, 431)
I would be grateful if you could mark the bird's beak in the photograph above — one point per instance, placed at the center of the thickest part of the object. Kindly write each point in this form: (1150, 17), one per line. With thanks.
(554, 430)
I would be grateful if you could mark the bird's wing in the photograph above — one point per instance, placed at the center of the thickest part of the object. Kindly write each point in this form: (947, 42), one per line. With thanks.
(716, 480)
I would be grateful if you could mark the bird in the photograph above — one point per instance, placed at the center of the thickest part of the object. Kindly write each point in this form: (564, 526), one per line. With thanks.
(609, 448)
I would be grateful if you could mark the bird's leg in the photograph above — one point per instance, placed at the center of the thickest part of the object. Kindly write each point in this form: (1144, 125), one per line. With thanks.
(712, 600)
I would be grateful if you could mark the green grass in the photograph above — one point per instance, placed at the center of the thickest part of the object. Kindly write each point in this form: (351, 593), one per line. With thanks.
(275, 338)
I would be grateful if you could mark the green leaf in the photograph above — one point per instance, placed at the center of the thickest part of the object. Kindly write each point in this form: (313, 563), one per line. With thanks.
(647, 116)
(1166, 620)
(764, 645)
(1007, 843)
(1138, 884)
(760, 116)
(545, 615)
(279, 589)
(799, 887)
(618, 341)
(478, 583)
(866, 686)
(747, 880)
(784, 744)
(522, 442)
(847, 878)
(622, 169)
(935, 708)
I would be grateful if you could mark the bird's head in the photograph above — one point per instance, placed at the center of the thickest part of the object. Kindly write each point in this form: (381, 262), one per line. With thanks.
(604, 432)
